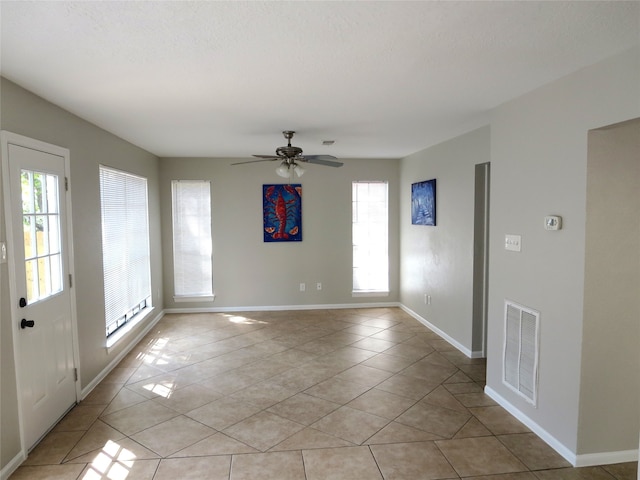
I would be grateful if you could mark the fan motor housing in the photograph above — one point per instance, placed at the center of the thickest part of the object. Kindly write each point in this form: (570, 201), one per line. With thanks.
(288, 151)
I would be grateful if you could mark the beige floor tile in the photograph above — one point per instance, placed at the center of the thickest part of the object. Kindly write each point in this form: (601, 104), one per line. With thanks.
(462, 388)
(477, 399)
(373, 344)
(263, 430)
(533, 451)
(431, 418)
(353, 463)
(119, 375)
(623, 471)
(390, 363)
(139, 417)
(188, 398)
(337, 391)
(96, 437)
(508, 476)
(48, 472)
(223, 413)
(479, 456)
(173, 435)
(412, 461)
(442, 398)
(473, 428)
(196, 468)
(584, 473)
(263, 394)
(53, 448)
(381, 403)
(409, 351)
(303, 408)
(363, 375)
(268, 466)
(407, 386)
(429, 372)
(123, 449)
(399, 433)
(81, 417)
(125, 398)
(228, 383)
(217, 444)
(105, 470)
(310, 438)
(102, 394)
(351, 424)
(498, 420)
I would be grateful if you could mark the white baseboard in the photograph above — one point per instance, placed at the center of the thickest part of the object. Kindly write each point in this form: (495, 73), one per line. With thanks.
(451, 340)
(584, 460)
(279, 308)
(12, 466)
(114, 363)
(606, 458)
(565, 452)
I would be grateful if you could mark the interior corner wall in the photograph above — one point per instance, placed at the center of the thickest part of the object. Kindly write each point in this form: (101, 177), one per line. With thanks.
(27, 114)
(610, 382)
(438, 260)
(538, 168)
(251, 273)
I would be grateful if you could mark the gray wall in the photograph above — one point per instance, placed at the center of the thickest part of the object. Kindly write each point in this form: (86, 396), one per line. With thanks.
(250, 273)
(539, 167)
(611, 328)
(438, 261)
(29, 115)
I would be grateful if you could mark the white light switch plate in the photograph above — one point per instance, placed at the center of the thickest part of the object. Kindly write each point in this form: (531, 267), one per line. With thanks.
(512, 242)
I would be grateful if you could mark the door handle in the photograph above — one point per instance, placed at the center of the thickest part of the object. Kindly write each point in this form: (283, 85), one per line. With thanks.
(27, 323)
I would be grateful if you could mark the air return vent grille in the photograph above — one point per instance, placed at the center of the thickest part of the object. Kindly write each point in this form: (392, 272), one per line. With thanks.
(520, 360)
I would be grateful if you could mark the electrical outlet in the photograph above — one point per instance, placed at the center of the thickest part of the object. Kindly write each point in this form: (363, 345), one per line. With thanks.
(303, 287)
(318, 286)
(3, 252)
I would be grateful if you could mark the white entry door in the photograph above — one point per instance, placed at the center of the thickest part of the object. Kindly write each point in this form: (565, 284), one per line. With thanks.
(40, 290)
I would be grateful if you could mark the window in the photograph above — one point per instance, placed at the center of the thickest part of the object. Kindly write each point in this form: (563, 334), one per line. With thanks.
(370, 238)
(125, 247)
(192, 263)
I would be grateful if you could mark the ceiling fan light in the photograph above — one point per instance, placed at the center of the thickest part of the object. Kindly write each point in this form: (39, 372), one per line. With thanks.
(283, 170)
(298, 169)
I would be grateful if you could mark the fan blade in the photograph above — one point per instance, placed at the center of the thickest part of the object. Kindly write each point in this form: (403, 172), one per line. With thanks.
(269, 159)
(327, 160)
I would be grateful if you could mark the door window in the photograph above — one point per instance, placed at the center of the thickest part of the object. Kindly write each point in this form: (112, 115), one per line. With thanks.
(41, 231)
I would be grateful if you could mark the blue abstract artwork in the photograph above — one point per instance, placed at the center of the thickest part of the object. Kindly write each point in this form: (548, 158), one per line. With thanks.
(423, 202)
(282, 213)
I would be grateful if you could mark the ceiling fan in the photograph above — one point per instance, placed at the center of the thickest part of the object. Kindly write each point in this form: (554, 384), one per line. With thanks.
(290, 157)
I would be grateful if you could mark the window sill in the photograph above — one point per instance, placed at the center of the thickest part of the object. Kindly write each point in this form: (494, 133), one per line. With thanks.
(194, 298)
(370, 293)
(121, 332)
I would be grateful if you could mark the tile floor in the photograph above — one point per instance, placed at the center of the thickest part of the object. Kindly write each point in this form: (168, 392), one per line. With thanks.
(359, 394)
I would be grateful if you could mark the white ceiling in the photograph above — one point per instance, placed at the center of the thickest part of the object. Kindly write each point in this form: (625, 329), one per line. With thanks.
(223, 79)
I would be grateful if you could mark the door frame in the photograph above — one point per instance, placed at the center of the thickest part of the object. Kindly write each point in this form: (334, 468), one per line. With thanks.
(6, 139)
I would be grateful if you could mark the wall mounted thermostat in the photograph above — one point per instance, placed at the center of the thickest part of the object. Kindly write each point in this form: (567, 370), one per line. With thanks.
(552, 222)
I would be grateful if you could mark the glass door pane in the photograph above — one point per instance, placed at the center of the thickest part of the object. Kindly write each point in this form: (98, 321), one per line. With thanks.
(41, 230)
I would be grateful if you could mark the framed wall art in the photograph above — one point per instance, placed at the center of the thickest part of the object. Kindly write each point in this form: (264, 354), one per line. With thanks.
(423, 203)
(282, 213)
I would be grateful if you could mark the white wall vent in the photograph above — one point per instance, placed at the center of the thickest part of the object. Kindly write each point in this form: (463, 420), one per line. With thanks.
(520, 359)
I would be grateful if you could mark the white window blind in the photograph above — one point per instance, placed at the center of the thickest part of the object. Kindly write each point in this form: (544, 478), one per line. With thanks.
(370, 237)
(125, 246)
(192, 246)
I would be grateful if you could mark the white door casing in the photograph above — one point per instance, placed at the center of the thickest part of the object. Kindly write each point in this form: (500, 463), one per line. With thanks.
(37, 211)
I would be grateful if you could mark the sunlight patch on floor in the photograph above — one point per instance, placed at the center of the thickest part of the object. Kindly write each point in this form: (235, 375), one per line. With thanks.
(113, 463)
